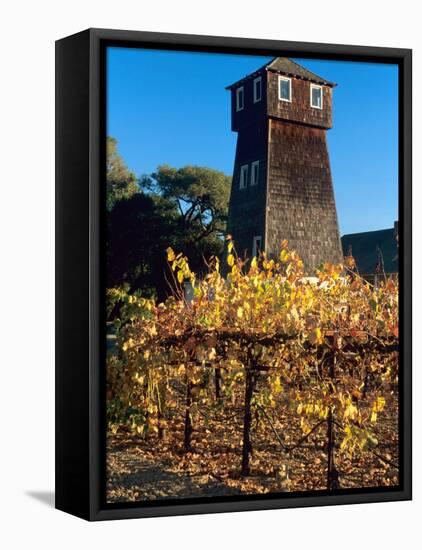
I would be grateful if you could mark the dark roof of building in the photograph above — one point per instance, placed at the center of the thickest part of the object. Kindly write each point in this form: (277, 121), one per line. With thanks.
(366, 247)
(286, 66)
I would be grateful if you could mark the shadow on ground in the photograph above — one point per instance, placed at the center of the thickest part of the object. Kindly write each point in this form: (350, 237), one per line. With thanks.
(132, 477)
(45, 497)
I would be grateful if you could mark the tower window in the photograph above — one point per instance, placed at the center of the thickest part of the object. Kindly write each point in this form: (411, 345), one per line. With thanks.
(255, 173)
(256, 246)
(257, 89)
(244, 169)
(240, 99)
(316, 96)
(284, 88)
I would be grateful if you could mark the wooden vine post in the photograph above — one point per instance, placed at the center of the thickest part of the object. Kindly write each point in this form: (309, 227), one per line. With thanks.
(247, 417)
(332, 473)
(247, 421)
(187, 446)
(217, 382)
(161, 401)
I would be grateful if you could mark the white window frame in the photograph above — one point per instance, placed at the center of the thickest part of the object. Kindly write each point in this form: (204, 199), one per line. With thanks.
(289, 80)
(240, 92)
(255, 248)
(316, 87)
(243, 178)
(253, 180)
(257, 81)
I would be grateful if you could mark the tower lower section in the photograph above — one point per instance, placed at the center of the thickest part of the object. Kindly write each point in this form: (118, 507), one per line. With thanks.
(300, 205)
(247, 207)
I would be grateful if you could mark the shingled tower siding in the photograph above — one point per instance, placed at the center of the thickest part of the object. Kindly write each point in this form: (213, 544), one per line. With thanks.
(294, 198)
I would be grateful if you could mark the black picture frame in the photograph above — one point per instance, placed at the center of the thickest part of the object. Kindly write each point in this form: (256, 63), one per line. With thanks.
(80, 173)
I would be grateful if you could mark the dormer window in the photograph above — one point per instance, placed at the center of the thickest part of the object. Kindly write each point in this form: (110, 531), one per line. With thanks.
(316, 96)
(284, 88)
(240, 99)
(257, 89)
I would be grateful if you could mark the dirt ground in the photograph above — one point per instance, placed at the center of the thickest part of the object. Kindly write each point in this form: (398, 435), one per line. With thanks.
(148, 469)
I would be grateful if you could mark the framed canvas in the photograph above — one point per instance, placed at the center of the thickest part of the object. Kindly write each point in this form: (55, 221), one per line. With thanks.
(233, 244)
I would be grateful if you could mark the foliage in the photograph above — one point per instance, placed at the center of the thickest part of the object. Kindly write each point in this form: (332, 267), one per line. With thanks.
(121, 182)
(326, 345)
(201, 195)
(185, 208)
(138, 230)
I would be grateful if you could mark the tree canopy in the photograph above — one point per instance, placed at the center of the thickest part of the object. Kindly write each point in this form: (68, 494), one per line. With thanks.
(185, 208)
(121, 182)
(139, 229)
(201, 195)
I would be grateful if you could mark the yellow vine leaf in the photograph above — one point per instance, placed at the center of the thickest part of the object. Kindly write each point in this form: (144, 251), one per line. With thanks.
(170, 254)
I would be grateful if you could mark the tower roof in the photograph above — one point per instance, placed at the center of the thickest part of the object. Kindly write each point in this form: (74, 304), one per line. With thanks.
(286, 66)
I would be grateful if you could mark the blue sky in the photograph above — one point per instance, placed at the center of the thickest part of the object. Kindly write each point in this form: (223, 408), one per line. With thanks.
(172, 108)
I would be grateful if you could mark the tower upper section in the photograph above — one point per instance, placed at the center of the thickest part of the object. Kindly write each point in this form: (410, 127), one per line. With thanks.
(284, 90)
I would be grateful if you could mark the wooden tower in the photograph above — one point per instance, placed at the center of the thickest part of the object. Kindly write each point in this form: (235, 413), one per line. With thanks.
(282, 186)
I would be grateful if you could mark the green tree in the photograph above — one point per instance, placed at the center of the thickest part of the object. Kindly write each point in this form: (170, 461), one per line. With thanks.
(121, 182)
(201, 195)
(183, 208)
